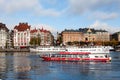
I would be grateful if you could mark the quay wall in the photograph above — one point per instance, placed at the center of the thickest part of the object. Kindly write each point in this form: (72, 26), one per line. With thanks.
(14, 50)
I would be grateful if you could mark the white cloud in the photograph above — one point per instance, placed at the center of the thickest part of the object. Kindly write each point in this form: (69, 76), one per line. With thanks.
(104, 16)
(47, 27)
(1, 1)
(80, 6)
(44, 26)
(104, 26)
(10, 6)
(33, 6)
(48, 12)
(100, 9)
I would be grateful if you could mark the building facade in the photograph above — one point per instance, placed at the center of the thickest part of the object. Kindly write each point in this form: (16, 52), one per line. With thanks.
(85, 35)
(96, 35)
(102, 35)
(21, 35)
(89, 35)
(116, 36)
(71, 36)
(46, 37)
(4, 33)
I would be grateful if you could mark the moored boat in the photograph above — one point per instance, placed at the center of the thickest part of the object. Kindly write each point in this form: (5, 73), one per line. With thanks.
(80, 54)
(47, 49)
(90, 49)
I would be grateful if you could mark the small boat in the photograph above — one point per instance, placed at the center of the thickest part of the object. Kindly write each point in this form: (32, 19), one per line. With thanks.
(84, 55)
(111, 48)
(117, 48)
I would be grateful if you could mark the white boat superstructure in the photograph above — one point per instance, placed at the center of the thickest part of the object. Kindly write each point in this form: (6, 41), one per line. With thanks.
(90, 49)
(47, 49)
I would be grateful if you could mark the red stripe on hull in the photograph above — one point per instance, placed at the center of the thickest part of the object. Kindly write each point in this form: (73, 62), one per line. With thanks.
(74, 52)
(75, 59)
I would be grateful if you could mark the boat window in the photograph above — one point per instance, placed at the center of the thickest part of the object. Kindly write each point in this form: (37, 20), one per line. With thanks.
(49, 55)
(53, 56)
(62, 55)
(68, 56)
(106, 56)
(57, 55)
(74, 56)
(85, 56)
(80, 56)
(96, 56)
(101, 56)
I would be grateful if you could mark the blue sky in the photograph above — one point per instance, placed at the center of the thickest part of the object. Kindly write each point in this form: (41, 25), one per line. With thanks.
(57, 15)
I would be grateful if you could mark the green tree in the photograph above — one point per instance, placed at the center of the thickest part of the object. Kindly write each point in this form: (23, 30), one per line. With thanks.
(114, 43)
(69, 43)
(75, 42)
(33, 41)
(38, 40)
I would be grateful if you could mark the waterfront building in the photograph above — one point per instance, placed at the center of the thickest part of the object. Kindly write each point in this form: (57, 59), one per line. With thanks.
(71, 36)
(45, 36)
(116, 36)
(4, 32)
(95, 35)
(21, 35)
(89, 34)
(102, 35)
(85, 35)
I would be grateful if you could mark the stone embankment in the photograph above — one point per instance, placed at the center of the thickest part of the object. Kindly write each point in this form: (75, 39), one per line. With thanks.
(14, 50)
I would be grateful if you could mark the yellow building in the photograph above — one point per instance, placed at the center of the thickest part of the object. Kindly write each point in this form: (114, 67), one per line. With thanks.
(45, 36)
(89, 35)
(85, 35)
(71, 36)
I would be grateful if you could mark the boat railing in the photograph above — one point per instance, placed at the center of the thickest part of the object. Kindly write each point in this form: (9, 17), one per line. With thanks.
(71, 47)
(86, 47)
(50, 47)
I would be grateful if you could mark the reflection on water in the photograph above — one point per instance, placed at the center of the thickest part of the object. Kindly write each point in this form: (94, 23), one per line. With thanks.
(22, 66)
(29, 66)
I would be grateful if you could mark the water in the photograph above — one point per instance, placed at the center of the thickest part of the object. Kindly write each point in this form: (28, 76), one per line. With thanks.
(28, 66)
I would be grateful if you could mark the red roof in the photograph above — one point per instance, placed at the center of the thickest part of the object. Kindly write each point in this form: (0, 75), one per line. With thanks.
(34, 30)
(22, 27)
(41, 30)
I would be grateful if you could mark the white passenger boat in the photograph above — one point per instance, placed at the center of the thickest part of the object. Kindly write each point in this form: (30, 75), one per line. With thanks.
(95, 53)
(47, 49)
(90, 49)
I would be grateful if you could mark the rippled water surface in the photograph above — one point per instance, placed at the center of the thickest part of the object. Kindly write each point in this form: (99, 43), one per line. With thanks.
(28, 66)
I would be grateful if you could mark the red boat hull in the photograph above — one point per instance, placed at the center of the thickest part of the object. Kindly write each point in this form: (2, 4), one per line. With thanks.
(75, 59)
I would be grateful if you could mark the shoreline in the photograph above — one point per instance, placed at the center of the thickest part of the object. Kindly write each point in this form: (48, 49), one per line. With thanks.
(14, 50)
